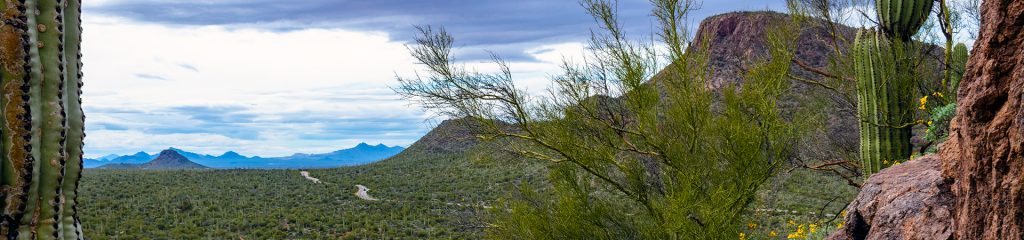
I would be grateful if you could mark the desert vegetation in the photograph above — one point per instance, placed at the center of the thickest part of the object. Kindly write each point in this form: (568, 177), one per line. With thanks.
(672, 135)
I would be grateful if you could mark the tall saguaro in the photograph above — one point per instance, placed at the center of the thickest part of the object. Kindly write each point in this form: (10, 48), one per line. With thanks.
(984, 157)
(42, 127)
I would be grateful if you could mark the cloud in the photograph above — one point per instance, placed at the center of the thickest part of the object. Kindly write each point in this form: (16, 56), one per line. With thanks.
(281, 76)
(189, 67)
(502, 26)
(149, 76)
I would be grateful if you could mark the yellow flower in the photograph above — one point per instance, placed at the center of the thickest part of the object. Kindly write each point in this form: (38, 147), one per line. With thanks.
(772, 234)
(743, 236)
(929, 122)
(937, 94)
(801, 233)
(752, 225)
(813, 227)
(840, 225)
(842, 213)
(791, 222)
(924, 100)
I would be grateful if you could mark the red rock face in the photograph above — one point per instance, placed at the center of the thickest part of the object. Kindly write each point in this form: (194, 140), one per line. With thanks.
(984, 157)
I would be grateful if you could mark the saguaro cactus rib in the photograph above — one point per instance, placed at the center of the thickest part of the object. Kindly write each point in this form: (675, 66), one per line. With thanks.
(15, 134)
(69, 227)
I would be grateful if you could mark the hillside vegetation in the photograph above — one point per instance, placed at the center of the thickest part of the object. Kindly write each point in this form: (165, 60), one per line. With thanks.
(423, 195)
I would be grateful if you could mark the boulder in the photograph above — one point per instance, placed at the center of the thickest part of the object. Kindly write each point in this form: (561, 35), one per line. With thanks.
(906, 201)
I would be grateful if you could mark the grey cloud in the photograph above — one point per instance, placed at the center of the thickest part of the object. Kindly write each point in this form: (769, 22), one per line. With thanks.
(474, 23)
(150, 76)
(189, 67)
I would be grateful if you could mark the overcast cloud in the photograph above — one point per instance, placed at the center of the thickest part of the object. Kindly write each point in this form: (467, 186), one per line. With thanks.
(275, 77)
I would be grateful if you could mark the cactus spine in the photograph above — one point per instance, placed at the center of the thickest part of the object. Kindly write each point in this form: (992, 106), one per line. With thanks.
(902, 19)
(42, 126)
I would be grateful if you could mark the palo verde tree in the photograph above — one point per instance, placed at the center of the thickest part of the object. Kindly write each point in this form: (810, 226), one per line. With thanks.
(630, 153)
(41, 130)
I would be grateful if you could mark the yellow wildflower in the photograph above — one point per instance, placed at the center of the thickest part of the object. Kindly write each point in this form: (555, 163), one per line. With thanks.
(801, 233)
(840, 225)
(752, 226)
(924, 100)
(842, 213)
(791, 222)
(772, 234)
(929, 122)
(937, 94)
(743, 236)
(813, 228)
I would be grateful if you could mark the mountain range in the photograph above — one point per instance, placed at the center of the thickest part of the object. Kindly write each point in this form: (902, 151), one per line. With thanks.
(168, 159)
(360, 154)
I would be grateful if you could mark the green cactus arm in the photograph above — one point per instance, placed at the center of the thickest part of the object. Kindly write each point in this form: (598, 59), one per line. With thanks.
(68, 228)
(906, 19)
(50, 118)
(921, 10)
(882, 11)
(958, 65)
(35, 106)
(902, 18)
(862, 101)
(16, 158)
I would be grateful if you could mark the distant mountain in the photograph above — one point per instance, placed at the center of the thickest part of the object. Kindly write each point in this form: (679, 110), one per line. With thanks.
(360, 154)
(134, 159)
(453, 136)
(168, 159)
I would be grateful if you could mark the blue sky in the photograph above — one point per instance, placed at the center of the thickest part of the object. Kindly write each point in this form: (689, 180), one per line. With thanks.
(275, 77)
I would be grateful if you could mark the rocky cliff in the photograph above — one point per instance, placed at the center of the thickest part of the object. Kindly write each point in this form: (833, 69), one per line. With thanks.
(980, 192)
(984, 157)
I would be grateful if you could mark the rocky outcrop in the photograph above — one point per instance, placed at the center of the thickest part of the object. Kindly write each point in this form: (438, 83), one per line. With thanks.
(906, 201)
(984, 157)
(737, 41)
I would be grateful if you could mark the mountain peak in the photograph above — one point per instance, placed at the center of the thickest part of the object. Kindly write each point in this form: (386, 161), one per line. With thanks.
(171, 159)
(231, 154)
(363, 145)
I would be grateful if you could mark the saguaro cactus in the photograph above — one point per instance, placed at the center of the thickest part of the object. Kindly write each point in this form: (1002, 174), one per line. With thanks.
(902, 19)
(885, 82)
(884, 102)
(42, 124)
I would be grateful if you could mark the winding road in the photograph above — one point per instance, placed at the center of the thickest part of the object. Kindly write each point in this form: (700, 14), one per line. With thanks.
(362, 193)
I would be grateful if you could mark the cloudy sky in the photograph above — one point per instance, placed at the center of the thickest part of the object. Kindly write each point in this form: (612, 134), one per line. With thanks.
(275, 77)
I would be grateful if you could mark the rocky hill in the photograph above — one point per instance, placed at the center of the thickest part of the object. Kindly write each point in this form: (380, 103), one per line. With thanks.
(168, 159)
